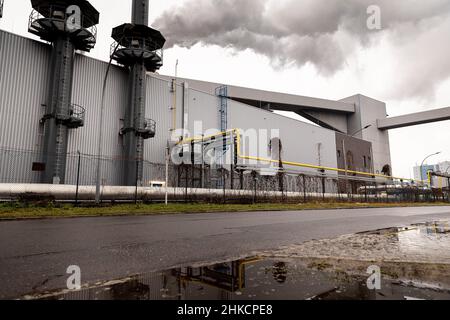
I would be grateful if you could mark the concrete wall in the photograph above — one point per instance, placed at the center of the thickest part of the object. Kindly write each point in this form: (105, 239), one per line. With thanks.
(361, 157)
(256, 96)
(336, 120)
(368, 110)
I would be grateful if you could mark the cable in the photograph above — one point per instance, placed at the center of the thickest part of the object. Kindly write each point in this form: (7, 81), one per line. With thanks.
(100, 139)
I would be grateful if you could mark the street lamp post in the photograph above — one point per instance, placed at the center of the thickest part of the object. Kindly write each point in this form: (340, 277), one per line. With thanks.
(166, 187)
(421, 165)
(362, 129)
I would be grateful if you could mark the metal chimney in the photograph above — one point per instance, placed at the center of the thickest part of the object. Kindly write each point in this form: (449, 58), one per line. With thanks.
(139, 48)
(139, 12)
(69, 25)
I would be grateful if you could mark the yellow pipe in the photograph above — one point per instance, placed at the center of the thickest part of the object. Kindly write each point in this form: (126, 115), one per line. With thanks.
(290, 163)
(189, 140)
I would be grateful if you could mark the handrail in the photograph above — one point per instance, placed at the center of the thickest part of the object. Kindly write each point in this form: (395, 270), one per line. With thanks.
(75, 111)
(145, 45)
(36, 15)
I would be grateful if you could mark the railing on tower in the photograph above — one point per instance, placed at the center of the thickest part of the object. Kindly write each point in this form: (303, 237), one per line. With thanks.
(1, 8)
(49, 21)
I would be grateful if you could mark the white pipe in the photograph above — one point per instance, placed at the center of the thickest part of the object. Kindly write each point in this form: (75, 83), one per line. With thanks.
(108, 193)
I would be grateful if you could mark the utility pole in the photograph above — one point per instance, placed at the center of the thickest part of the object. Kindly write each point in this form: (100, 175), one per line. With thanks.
(167, 174)
(362, 129)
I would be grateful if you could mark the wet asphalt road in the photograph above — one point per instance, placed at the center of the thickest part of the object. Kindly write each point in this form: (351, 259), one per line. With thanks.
(35, 254)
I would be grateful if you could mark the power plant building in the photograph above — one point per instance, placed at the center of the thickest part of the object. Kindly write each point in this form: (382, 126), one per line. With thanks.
(143, 111)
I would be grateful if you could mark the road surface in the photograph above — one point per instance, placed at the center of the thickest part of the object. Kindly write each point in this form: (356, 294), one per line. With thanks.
(35, 254)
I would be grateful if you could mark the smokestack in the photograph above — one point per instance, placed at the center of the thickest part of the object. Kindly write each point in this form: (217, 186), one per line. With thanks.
(139, 14)
(52, 21)
(139, 48)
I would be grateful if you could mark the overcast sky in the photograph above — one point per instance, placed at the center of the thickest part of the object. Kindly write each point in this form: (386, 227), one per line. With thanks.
(319, 48)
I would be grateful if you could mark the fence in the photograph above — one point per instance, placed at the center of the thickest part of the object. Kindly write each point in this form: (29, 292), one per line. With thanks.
(212, 184)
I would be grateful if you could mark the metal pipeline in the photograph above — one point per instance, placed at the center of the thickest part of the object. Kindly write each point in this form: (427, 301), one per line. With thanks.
(290, 163)
(113, 193)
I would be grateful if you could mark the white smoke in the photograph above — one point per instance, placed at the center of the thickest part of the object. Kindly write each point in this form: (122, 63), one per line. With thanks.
(320, 32)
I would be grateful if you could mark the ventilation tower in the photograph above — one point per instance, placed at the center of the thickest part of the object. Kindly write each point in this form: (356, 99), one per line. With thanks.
(69, 25)
(139, 48)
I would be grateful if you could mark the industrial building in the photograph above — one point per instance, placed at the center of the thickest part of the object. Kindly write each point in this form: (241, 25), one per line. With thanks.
(57, 105)
(438, 181)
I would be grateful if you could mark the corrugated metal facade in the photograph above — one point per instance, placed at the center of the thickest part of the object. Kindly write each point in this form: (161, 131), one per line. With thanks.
(24, 68)
(301, 142)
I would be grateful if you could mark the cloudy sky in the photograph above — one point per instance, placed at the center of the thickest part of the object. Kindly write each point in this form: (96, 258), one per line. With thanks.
(319, 48)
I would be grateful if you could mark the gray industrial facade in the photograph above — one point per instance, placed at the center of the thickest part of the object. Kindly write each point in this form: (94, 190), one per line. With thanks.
(25, 71)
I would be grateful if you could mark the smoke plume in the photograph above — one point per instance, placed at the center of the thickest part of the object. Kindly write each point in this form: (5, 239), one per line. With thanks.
(319, 32)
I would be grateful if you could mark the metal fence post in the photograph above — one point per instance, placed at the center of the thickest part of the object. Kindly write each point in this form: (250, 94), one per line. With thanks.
(304, 188)
(323, 188)
(254, 186)
(136, 190)
(166, 196)
(78, 176)
(224, 185)
(365, 191)
(448, 190)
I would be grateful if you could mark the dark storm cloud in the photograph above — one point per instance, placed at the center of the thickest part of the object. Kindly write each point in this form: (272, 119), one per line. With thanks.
(321, 32)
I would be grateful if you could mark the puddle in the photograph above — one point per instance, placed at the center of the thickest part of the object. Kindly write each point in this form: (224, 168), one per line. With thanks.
(414, 263)
(249, 279)
(419, 241)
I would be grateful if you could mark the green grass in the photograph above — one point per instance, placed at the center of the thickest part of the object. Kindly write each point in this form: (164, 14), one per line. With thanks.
(22, 211)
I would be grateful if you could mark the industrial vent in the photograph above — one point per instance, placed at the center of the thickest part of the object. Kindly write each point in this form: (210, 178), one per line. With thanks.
(140, 49)
(138, 43)
(69, 25)
(52, 19)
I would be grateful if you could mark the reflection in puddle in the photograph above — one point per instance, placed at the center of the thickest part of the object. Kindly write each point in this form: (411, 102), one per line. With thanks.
(422, 229)
(331, 269)
(249, 279)
(419, 240)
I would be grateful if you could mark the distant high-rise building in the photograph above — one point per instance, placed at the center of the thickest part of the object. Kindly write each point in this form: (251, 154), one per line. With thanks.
(443, 167)
(425, 168)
